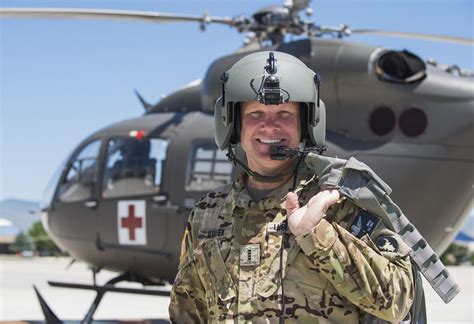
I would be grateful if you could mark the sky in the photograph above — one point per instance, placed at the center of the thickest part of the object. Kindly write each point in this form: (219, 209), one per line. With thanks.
(61, 80)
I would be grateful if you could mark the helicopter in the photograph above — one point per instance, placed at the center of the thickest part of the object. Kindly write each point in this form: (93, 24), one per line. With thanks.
(121, 199)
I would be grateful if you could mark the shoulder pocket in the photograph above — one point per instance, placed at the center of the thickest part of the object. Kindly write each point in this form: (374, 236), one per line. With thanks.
(390, 244)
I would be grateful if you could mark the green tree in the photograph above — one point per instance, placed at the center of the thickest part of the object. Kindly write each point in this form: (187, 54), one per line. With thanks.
(42, 241)
(457, 254)
(22, 243)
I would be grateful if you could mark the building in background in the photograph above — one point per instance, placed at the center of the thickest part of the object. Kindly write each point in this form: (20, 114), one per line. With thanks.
(8, 233)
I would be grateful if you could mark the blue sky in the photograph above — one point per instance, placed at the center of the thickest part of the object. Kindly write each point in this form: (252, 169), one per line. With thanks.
(61, 80)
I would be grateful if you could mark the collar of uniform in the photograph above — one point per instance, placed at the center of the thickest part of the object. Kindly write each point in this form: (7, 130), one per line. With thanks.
(240, 197)
(305, 176)
(276, 198)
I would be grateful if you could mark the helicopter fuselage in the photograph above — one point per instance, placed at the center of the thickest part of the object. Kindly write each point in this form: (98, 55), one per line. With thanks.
(411, 122)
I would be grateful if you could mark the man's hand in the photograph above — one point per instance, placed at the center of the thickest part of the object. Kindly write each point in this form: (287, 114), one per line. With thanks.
(303, 220)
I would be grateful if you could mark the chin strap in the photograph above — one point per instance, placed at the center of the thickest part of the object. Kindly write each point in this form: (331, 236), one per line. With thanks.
(280, 153)
(257, 176)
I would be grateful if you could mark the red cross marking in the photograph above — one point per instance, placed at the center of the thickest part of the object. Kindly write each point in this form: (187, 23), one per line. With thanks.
(131, 222)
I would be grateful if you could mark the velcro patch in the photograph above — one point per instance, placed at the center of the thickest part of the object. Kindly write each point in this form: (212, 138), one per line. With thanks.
(386, 244)
(250, 255)
(364, 223)
(277, 227)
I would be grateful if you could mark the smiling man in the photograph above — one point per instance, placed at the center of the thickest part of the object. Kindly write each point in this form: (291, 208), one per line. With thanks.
(283, 242)
(264, 126)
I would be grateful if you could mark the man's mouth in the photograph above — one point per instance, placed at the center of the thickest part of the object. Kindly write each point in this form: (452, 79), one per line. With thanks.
(270, 141)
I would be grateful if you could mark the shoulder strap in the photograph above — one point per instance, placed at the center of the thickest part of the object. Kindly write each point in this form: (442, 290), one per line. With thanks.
(359, 183)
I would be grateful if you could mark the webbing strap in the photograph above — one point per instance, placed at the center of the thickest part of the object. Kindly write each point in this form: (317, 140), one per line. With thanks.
(329, 170)
(360, 184)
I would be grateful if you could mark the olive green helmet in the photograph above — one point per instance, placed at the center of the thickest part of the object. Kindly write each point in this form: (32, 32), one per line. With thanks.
(270, 78)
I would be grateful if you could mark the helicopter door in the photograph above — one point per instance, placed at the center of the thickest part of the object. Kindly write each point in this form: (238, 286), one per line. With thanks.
(74, 210)
(129, 213)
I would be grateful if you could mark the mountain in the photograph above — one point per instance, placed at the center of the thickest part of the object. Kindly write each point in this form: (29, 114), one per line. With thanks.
(21, 213)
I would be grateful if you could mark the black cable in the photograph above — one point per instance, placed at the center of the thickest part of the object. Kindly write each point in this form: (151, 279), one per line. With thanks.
(284, 228)
(283, 242)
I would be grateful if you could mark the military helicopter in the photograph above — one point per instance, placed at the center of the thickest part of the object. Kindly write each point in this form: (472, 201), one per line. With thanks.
(121, 200)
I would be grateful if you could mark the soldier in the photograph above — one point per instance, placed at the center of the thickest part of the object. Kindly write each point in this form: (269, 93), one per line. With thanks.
(274, 246)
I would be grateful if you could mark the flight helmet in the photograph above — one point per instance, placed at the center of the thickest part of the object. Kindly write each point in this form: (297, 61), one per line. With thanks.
(272, 78)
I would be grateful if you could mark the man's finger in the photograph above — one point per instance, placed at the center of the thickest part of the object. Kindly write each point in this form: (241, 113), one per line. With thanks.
(292, 203)
(331, 199)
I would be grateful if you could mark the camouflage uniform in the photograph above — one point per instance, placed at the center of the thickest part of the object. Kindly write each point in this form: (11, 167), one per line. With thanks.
(330, 275)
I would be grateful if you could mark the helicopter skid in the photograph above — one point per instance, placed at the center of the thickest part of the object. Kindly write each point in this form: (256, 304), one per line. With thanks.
(50, 316)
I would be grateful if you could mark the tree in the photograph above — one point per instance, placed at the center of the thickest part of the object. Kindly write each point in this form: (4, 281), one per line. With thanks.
(43, 243)
(22, 243)
(457, 254)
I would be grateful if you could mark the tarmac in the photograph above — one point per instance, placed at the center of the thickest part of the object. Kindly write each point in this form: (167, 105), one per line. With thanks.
(18, 301)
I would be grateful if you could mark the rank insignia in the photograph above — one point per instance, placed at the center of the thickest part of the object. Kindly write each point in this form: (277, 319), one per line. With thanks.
(386, 244)
(364, 223)
(250, 255)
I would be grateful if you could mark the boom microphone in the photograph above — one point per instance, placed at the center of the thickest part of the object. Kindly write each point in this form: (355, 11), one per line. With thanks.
(282, 152)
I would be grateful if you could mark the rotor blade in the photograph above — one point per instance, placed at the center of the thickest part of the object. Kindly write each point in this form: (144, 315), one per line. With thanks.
(436, 38)
(103, 14)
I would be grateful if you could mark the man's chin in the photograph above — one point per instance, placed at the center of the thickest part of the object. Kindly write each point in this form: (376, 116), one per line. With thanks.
(268, 159)
(274, 167)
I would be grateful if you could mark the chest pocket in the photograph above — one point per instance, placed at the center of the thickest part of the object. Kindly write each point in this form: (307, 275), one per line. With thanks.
(216, 269)
(271, 280)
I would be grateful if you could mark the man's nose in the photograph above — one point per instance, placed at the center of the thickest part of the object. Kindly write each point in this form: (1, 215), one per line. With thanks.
(270, 121)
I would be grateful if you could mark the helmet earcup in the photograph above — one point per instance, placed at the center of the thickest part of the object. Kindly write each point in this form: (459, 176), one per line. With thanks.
(222, 130)
(317, 132)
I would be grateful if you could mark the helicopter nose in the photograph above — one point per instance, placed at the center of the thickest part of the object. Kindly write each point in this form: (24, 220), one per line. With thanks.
(45, 219)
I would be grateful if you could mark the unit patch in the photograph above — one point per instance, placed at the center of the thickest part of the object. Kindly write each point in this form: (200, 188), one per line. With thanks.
(250, 255)
(364, 223)
(386, 244)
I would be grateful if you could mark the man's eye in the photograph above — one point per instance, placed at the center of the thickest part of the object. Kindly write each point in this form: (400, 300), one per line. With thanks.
(256, 114)
(284, 114)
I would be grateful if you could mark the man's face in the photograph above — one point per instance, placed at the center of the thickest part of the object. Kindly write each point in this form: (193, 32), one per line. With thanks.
(268, 125)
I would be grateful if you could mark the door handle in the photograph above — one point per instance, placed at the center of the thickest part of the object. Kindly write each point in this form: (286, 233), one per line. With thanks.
(91, 203)
(160, 198)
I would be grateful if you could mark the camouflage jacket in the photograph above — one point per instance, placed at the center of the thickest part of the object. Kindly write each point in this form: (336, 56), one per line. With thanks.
(348, 268)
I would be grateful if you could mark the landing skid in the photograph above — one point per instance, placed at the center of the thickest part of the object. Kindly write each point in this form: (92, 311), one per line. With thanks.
(50, 317)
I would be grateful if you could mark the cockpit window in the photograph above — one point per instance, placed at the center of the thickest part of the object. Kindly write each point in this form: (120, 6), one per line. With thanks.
(133, 167)
(208, 168)
(48, 192)
(81, 175)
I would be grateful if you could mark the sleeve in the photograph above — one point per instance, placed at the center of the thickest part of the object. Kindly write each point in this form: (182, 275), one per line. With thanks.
(378, 283)
(188, 297)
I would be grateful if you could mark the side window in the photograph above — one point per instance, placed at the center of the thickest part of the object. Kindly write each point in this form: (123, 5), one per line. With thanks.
(208, 168)
(81, 175)
(133, 167)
